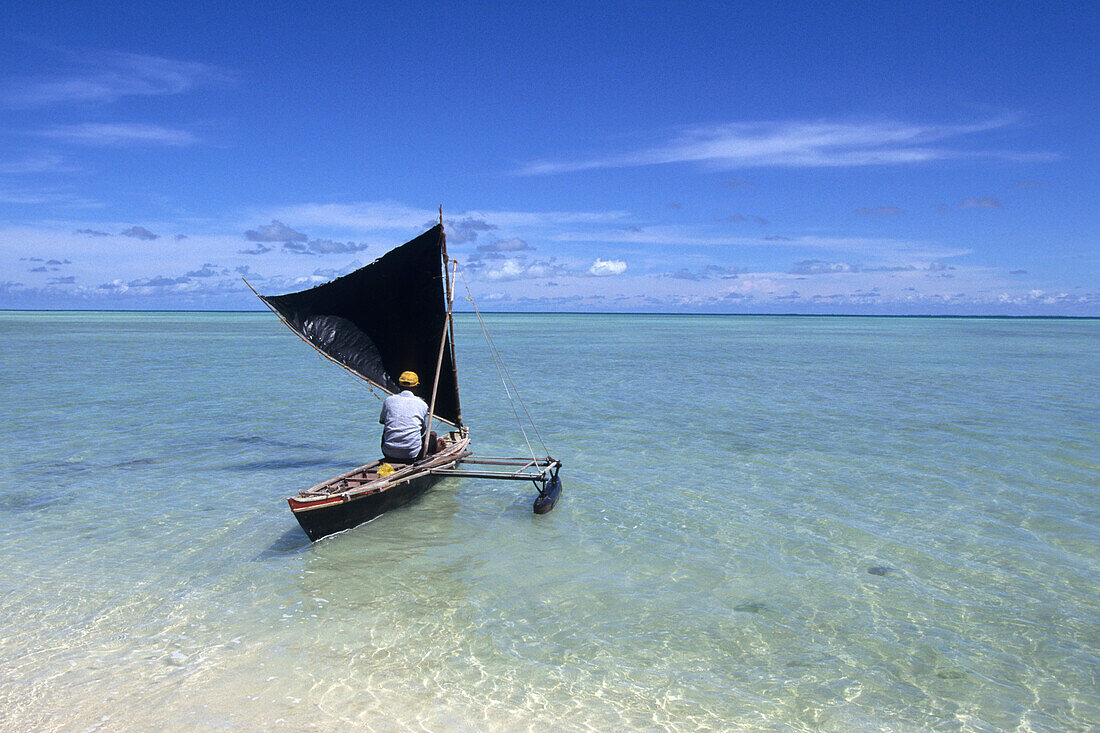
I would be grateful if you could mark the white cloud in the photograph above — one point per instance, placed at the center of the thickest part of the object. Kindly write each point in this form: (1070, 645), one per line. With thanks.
(387, 216)
(466, 230)
(505, 270)
(985, 202)
(877, 248)
(207, 270)
(54, 195)
(295, 241)
(364, 216)
(276, 231)
(821, 267)
(505, 245)
(878, 211)
(106, 77)
(552, 219)
(323, 247)
(509, 269)
(605, 268)
(48, 163)
(117, 134)
(138, 233)
(799, 144)
(830, 273)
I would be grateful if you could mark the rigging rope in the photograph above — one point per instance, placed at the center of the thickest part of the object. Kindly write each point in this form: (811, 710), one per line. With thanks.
(506, 378)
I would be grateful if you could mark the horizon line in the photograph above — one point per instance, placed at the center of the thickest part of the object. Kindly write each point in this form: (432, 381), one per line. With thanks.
(591, 313)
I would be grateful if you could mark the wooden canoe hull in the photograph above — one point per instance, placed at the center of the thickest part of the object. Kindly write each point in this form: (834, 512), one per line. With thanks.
(322, 521)
(363, 494)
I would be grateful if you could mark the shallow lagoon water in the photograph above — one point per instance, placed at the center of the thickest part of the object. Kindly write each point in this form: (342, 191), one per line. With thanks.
(771, 523)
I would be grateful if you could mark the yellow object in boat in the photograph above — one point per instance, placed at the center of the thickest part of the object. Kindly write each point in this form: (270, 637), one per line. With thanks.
(385, 470)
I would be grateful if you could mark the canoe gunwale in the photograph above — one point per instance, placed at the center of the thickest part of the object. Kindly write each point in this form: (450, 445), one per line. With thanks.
(326, 494)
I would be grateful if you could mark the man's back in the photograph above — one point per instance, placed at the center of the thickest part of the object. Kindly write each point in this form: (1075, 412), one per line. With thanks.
(404, 417)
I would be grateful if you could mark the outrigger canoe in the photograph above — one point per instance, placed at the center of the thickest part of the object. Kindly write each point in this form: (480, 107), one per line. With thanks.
(390, 316)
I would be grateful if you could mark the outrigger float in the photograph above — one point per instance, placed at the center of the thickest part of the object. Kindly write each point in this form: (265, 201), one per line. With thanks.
(390, 316)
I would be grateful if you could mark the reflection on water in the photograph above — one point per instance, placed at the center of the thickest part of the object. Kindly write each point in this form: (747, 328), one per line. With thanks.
(291, 542)
(767, 523)
(274, 442)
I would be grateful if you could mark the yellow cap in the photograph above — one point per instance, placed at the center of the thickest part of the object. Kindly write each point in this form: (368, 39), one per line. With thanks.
(408, 379)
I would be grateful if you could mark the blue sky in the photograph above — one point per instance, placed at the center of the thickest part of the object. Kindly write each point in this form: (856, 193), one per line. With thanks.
(719, 157)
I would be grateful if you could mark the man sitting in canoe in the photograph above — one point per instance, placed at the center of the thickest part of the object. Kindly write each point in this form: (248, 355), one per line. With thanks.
(404, 419)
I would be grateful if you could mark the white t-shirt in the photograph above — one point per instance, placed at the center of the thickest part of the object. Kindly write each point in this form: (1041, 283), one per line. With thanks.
(404, 418)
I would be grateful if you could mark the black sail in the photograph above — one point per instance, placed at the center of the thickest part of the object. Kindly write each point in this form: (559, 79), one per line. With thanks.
(384, 319)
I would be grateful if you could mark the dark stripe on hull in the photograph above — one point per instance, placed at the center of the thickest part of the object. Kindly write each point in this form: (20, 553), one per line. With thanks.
(323, 521)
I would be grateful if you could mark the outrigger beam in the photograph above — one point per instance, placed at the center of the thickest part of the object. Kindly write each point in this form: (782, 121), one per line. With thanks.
(543, 473)
(523, 469)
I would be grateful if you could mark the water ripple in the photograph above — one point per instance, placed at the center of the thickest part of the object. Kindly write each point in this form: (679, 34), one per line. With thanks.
(768, 523)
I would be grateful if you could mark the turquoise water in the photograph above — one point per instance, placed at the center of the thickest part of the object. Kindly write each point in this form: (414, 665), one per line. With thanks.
(768, 523)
